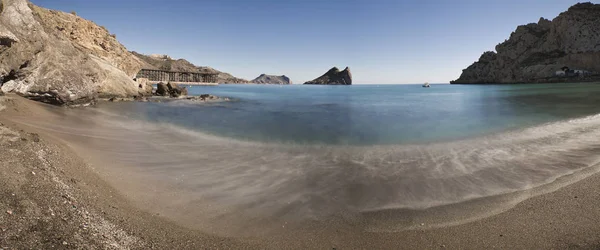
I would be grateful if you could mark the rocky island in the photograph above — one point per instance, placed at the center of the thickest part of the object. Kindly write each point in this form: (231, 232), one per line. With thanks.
(334, 77)
(566, 49)
(272, 79)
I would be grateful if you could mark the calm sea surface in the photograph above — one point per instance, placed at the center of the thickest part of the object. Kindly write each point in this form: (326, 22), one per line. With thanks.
(282, 154)
(372, 114)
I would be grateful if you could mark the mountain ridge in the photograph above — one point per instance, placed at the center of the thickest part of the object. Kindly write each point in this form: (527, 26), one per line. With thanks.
(540, 52)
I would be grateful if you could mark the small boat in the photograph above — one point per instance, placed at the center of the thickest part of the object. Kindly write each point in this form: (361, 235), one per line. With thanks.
(426, 85)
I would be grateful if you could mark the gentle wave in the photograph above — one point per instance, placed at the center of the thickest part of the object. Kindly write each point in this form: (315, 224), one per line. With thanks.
(298, 182)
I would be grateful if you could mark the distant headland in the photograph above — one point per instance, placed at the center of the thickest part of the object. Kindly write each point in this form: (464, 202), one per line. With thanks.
(566, 49)
(271, 79)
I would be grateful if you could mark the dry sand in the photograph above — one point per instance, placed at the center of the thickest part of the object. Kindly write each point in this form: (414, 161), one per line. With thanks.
(51, 198)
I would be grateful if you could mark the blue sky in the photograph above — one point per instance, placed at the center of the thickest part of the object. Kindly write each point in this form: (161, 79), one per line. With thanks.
(382, 41)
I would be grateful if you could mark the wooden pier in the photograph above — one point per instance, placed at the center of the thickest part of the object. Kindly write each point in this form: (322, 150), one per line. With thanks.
(186, 78)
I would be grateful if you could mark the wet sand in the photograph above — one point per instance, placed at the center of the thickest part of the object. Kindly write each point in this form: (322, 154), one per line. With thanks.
(564, 218)
(51, 199)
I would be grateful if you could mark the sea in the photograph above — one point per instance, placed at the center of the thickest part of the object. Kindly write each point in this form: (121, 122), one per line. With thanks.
(370, 114)
(277, 154)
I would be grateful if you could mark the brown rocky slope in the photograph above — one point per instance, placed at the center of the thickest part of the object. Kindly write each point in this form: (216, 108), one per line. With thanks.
(60, 58)
(536, 51)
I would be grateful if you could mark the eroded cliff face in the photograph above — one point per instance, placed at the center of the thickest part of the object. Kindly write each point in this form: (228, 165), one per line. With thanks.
(89, 37)
(272, 79)
(59, 58)
(334, 77)
(534, 52)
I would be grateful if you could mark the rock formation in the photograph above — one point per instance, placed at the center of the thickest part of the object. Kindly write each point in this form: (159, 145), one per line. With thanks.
(165, 62)
(271, 79)
(162, 89)
(60, 58)
(334, 77)
(170, 89)
(537, 52)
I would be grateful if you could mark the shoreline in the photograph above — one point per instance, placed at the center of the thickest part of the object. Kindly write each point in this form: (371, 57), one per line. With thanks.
(561, 218)
(522, 83)
(52, 198)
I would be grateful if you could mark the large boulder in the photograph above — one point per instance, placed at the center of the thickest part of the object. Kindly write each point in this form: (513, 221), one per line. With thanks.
(172, 86)
(170, 89)
(175, 90)
(162, 89)
(184, 91)
(334, 77)
(144, 86)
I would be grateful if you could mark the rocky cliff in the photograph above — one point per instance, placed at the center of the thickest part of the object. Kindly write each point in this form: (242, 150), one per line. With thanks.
(537, 52)
(60, 58)
(271, 79)
(334, 77)
(165, 62)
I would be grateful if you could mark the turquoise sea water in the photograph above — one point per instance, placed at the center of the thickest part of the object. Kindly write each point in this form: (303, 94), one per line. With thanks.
(374, 114)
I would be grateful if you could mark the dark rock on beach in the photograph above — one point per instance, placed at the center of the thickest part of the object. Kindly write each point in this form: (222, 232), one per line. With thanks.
(206, 97)
(199, 98)
(170, 89)
(162, 89)
(334, 77)
(175, 90)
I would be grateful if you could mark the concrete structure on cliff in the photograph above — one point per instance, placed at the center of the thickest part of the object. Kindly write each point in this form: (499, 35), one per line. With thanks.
(566, 72)
(188, 78)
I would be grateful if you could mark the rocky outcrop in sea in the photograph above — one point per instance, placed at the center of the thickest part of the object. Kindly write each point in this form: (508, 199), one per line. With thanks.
(60, 58)
(272, 79)
(170, 89)
(334, 77)
(566, 49)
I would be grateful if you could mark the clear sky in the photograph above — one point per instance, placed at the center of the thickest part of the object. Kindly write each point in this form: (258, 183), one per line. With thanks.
(382, 41)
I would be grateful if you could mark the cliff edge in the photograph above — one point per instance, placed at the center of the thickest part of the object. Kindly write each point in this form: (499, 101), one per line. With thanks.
(60, 58)
(566, 49)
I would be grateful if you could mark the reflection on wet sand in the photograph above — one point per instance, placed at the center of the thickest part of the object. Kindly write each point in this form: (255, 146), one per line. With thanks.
(227, 186)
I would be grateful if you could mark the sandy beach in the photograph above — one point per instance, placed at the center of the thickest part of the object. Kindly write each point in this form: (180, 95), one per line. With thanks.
(53, 198)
